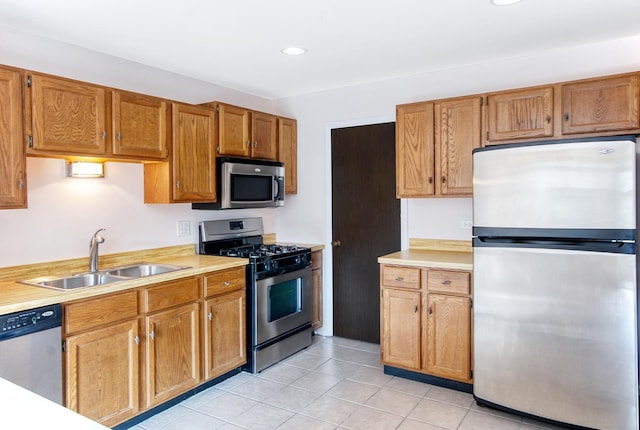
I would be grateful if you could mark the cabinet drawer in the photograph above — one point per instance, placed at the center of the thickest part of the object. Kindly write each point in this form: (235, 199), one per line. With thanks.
(397, 276)
(316, 260)
(224, 281)
(449, 282)
(170, 294)
(101, 310)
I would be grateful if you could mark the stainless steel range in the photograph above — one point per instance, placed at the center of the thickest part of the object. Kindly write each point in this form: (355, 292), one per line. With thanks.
(278, 288)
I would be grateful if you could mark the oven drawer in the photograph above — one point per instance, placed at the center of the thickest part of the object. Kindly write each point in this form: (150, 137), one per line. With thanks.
(224, 281)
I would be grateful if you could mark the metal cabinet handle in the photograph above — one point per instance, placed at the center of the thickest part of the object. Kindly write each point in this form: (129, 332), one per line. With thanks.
(152, 335)
(255, 144)
(430, 310)
(447, 282)
(566, 116)
(227, 283)
(430, 180)
(118, 136)
(178, 184)
(20, 183)
(548, 119)
(415, 308)
(248, 143)
(399, 278)
(443, 179)
(210, 316)
(137, 340)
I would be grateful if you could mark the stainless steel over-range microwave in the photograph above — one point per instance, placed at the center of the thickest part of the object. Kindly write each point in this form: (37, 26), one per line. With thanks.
(247, 183)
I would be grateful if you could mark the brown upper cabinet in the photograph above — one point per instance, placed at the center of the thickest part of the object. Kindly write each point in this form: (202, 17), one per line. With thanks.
(434, 141)
(246, 133)
(139, 125)
(190, 175)
(520, 114)
(288, 152)
(609, 104)
(585, 108)
(66, 117)
(13, 187)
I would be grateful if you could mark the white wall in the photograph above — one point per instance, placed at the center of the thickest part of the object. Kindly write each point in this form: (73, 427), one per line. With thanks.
(308, 215)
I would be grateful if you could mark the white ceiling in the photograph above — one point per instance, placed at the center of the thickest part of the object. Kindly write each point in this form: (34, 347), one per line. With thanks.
(237, 43)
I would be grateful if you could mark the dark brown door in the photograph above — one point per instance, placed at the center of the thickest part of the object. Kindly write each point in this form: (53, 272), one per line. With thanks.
(366, 224)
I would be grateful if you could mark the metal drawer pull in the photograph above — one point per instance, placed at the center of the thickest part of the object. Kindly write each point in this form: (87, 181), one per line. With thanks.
(210, 316)
(399, 278)
(415, 308)
(152, 335)
(227, 283)
(137, 340)
(447, 282)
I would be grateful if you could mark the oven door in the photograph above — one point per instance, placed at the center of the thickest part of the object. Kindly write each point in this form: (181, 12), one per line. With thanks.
(282, 303)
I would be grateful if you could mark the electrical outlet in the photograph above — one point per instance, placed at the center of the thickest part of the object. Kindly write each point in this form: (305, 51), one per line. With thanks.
(184, 228)
(466, 225)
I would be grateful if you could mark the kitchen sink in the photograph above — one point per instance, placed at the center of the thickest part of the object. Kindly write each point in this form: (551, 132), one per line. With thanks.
(142, 269)
(102, 277)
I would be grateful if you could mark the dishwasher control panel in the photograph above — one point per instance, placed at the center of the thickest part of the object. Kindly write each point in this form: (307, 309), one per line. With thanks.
(30, 321)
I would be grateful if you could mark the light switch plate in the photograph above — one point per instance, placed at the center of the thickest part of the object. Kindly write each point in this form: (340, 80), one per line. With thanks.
(184, 228)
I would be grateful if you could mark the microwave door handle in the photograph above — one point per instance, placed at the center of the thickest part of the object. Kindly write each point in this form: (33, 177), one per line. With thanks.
(276, 188)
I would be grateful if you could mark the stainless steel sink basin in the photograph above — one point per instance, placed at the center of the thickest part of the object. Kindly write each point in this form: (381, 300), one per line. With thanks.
(142, 269)
(75, 281)
(103, 277)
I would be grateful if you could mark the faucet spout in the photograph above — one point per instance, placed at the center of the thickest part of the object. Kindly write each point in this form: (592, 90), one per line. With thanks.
(96, 240)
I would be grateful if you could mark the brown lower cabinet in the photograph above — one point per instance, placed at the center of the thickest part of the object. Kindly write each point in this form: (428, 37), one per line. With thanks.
(426, 321)
(130, 351)
(316, 285)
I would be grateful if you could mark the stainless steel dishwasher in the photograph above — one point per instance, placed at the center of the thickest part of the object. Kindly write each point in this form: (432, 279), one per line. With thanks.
(31, 350)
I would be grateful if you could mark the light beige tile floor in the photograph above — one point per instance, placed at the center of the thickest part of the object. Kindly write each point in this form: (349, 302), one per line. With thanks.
(336, 383)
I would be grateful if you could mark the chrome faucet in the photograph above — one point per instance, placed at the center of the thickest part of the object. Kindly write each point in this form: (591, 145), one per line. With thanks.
(96, 240)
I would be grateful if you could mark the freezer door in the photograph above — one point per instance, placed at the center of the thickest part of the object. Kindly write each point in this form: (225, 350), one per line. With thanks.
(555, 334)
(577, 185)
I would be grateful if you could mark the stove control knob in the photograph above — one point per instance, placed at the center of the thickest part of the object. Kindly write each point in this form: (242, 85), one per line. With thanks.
(274, 264)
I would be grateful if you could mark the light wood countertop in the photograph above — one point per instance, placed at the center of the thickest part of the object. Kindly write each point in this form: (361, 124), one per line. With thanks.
(433, 253)
(15, 296)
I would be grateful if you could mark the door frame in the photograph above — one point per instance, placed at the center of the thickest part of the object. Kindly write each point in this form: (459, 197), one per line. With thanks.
(327, 262)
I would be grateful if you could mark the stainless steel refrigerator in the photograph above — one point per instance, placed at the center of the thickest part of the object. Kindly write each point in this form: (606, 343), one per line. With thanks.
(555, 281)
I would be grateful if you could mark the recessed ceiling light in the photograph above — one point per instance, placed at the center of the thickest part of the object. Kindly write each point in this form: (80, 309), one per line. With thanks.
(504, 2)
(293, 50)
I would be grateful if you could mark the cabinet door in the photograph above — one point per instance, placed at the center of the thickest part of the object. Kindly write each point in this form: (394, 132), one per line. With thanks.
(233, 131)
(173, 353)
(401, 327)
(194, 155)
(225, 333)
(608, 104)
(13, 187)
(102, 373)
(457, 133)
(414, 150)
(264, 142)
(316, 290)
(520, 114)
(288, 153)
(139, 125)
(67, 117)
(449, 337)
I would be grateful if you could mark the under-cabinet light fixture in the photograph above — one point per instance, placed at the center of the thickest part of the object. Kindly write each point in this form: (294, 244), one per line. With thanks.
(85, 169)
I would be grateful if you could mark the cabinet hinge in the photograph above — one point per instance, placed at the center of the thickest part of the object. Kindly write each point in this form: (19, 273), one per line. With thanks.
(30, 141)
(64, 346)
(28, 81)
(471, 374)
(471, 300)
